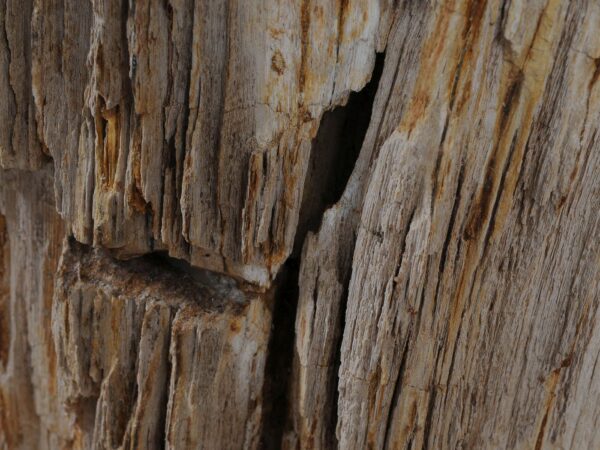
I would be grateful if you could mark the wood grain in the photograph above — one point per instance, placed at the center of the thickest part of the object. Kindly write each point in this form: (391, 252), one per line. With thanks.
(418, 180)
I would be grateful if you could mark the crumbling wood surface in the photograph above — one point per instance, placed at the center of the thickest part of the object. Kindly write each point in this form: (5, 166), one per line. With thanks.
(299, 224)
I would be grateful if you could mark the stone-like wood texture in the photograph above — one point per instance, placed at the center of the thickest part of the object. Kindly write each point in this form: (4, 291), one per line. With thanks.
(30, 236)
(449, 299)
(471, 317)
(181, 125)
(100, 353)
(152, 354)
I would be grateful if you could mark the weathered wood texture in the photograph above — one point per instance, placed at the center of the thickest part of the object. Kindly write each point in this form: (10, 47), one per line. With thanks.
(99, 353)
(432, 168)
(181, 125)
(471, 314)
(157, 355)
(31, 235)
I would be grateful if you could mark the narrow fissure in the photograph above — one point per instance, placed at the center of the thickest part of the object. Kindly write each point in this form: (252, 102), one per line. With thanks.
(334, 152)
(203, 278)
(280, 353)
(370, 91)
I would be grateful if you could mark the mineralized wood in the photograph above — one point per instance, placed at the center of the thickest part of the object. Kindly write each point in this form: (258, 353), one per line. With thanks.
(187, 125)
(31, 236)
(152, 353)
(461, 329)
(418, 180)
(450, 223)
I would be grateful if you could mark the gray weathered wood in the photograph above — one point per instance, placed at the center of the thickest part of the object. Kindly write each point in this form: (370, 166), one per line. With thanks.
(173, 178)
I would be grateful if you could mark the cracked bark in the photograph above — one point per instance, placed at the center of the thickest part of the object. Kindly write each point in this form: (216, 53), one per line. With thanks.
(305, 224)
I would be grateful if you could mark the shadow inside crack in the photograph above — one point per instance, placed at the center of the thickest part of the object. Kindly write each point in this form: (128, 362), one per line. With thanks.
(334, 153)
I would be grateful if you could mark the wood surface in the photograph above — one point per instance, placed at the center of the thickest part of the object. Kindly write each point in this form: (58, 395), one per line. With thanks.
(299, 224)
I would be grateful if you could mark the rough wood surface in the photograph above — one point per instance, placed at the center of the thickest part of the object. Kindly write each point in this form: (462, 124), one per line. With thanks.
(200, 116)
(417, 181)
(154, 354)
(31, 240)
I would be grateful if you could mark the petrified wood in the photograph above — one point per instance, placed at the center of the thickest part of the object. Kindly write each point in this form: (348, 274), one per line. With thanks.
(300, 224)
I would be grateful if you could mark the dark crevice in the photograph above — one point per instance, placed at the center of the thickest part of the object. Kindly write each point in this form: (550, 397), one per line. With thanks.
(492, 221)
(457, 201)
(447, 240)
(163, 262)
(278, 367)
(334, 152)
(163, 272)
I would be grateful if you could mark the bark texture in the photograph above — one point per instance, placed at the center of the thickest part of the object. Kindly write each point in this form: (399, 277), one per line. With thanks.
(299, 224)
